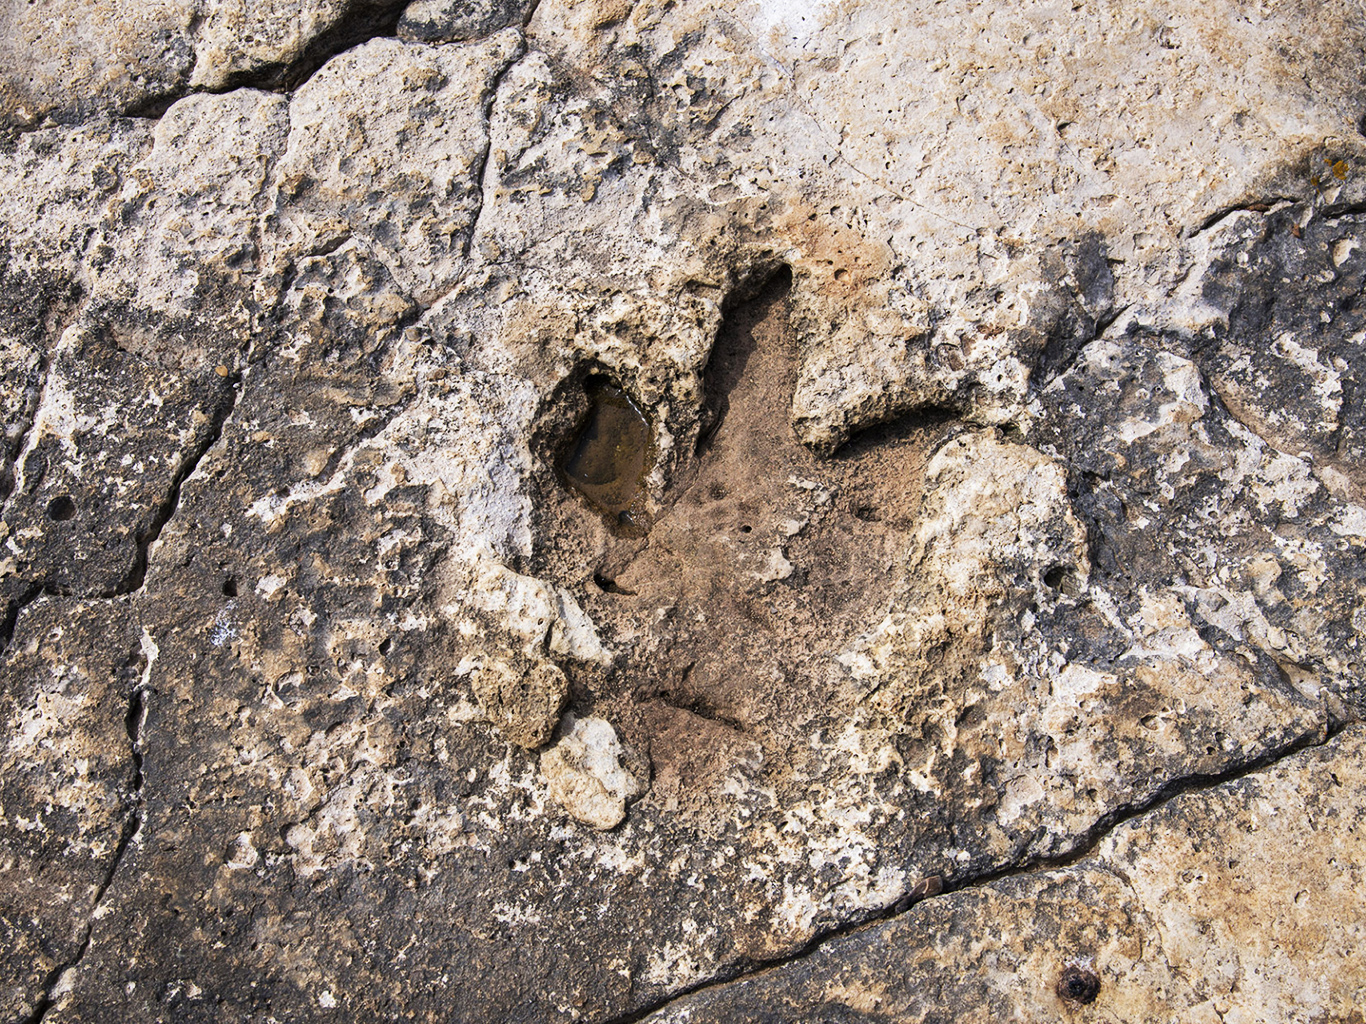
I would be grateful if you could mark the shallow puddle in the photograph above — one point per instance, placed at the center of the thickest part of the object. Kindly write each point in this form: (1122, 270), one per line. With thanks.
(607, 460)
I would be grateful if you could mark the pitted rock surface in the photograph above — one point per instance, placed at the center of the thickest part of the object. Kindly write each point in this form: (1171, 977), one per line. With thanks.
(974, 631)
(1152, 924)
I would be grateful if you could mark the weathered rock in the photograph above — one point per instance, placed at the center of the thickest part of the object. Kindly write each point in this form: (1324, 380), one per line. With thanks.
(400, 172)
(33, 315)
(1223, 493)
(1288, 367)
(584, 775)
(279, 42)
(69, 778)
(68, 60)
(972, 509)
(524, 703)
(1236, 903)
(180, 239)
(141, 379)
(453, 21)
(114, 433)
(56, 187)
(65, 62)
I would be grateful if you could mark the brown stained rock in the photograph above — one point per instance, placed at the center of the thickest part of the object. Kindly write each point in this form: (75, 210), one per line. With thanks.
(691, 757)
(523, 702)
(760, 548)
(608, 459)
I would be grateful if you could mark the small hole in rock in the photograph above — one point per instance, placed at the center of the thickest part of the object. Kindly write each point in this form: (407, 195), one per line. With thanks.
(609, 586)
(385, 646)
(746, 529)
(230, 587)
(1078, 985)
(59, 510)
(1062, 579)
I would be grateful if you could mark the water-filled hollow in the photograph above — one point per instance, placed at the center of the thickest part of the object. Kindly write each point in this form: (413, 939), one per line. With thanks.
(607, 458)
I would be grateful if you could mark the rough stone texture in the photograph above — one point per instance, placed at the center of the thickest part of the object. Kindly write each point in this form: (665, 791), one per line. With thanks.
(453, 21)
(1290, 371)
(523, 701)
(66, 60)
(399, 172)
(29, 322)
(278, 42)
(112, 436)
(584, 775)
(1233, 904)
(68, 799)
(1001, 370)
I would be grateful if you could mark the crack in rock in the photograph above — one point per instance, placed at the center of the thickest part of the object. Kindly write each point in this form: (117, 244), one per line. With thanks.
(360, 22)
(62, 977)
(934, 888)
(13, 611)
(355, 28)
(481, 174)
(927, 589)
(145, 538)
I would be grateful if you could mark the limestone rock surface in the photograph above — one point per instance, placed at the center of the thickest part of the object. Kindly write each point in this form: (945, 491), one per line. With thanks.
(992, 575)
(1203, 909)
(66, 61)
(584, 775)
